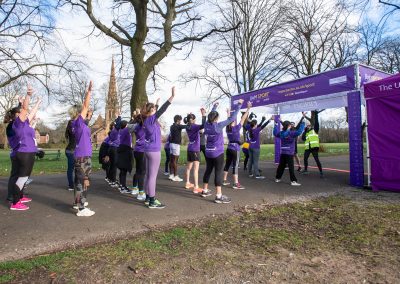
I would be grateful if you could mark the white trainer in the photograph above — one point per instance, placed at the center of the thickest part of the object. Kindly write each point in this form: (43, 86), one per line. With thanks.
(171, 177)
(85, 213)
(177, 178)
(277, 180)
(75, 206)
(135, 191)
(295, 183)
(141, 197)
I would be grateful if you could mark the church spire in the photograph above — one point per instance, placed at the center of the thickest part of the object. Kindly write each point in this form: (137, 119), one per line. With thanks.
(112, 99)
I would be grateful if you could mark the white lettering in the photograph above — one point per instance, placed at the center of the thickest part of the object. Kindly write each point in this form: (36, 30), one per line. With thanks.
(383, 88)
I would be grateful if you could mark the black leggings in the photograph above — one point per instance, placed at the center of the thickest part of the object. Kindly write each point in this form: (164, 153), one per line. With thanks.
(283, 161)
(112, 151)
(246, 159)
(167, 159)
(203, 150)
(24, 163)
(138, 177)
(314, 152)
(13, 178)
(122, 177)
(218, 163)
(173, 165)
(231, 159)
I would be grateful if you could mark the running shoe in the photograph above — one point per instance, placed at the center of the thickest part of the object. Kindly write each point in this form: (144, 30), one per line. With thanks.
(156, 204)
(147, 202)
(28, 181)
(206, 193)
(114, 184)
(86, 212)
(135, 191)
(223, 199)
(251, 175)
(107, 180)
(171, 177)
(299, 169)
(295, 183)
(197, 190)
(141, 196)
(166, 173)
(126, 190)
(304, 172)
(321, 175)
(237, 186)
(277, 180)
(177, 179)
(75, 206)
(225, 182)
(70, 189)
(19, 207)
(189, 185)
(260, 177)
(25, 199)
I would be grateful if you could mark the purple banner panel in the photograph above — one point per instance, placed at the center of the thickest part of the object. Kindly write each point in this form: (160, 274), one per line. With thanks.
(330, 82)
(383, 110)
(368, 74)
(355, 140)
(277, 141)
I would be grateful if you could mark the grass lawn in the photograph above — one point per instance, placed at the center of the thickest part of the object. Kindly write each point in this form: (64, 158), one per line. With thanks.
(49, 164)
(329, 240)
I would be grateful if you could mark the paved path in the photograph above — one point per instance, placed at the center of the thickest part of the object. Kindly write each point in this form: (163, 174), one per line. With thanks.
(51, 225)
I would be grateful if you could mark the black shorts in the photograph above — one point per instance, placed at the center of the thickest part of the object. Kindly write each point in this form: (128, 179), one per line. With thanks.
(193, 156)
(24, 163)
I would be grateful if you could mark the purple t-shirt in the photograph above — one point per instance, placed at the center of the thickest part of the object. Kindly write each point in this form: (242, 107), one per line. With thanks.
(215, 140)
(114, 138)
(254, 140)
(234, 137)
(125, 137)
(152, 134)
(82, 136)
(288, 139)
(140, 136)
(25, 136)
(12, 140)
(107, 140)
(193, 132)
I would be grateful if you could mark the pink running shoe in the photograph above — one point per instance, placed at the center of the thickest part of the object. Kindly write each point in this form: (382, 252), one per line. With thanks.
(19, 206)
(25, 199)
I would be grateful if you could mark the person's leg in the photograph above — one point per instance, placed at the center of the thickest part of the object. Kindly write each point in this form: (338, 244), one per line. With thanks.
(207, 173)
(290, 163)
(135, 181)
(70, 169)
(256, 157)
(167, 160)
(219, 163)
(250, 161)
(188, 169)
(246, 160)
(296, 157)
(235, 169)
(153, 159)
(122, 177)
(113, 164)
(314, 152)
(203, 150)
(146, 177)
(228, 162)
(281, 167)
(306, 155)
(83, 167)
(196, 165)
(13, 178)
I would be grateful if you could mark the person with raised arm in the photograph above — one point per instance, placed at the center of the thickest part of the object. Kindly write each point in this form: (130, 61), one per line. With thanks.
(175, 141)
(253, 131)
(288, 136)
(25, 148)
(83, 157)
(193, 149)
(215, 151)
(138, 154)
(152, 149)
(233, 149)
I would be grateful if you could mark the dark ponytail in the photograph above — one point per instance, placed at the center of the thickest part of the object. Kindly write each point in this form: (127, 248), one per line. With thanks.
(212, 116)
(189, 117)
(285, 125)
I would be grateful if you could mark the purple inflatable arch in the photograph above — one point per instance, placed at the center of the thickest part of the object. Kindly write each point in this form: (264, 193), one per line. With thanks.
(332, 89)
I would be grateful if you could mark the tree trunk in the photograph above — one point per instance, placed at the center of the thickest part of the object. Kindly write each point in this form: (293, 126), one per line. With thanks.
(139, 95)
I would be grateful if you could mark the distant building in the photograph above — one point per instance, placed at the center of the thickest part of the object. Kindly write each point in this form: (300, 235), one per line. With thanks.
(42, 137)
(101, 126)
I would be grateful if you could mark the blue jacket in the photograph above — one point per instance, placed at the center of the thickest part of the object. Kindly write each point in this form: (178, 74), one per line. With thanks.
(288, 139)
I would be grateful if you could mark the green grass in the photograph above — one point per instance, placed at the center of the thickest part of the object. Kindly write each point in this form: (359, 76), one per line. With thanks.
(49, 164)
(335, 224)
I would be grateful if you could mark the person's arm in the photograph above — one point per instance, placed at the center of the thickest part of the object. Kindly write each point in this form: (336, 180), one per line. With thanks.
(23, 115)
(262, 121)
(224, 123)
(246, 114)
(215, 106)
(303, 136)
(299, 131)
(34, 110)
(298, 124)
(203, 118)
(265, 124)
(86, 102)
(164, 107)
(306, 117)
(316, 122)
(276, 131)
(118, 121)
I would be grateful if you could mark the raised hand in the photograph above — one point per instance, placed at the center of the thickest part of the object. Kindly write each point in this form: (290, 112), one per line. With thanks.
(158, 102)
(249, 105)
(303, 113)
(203, 111)
(240, 101)
(29, 91)
(90, 86)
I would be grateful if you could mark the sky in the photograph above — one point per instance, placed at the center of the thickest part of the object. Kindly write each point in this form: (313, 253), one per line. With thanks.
(98, 51)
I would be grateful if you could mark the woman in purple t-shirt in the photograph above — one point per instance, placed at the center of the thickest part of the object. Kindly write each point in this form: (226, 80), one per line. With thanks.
(25, 149)
(193, 149)
(233, 149)
(215, 151)
(152, 149)
(138, 153)
(83, 157)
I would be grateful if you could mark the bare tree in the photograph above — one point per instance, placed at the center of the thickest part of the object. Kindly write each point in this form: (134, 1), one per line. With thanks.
(315, 28)
(26, 40)
(388, 56)
(392, 4)
(248, 57)
(148, 30)
(371, 39)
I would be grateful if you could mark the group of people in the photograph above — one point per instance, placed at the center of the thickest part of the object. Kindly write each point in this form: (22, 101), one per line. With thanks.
(119, 152)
